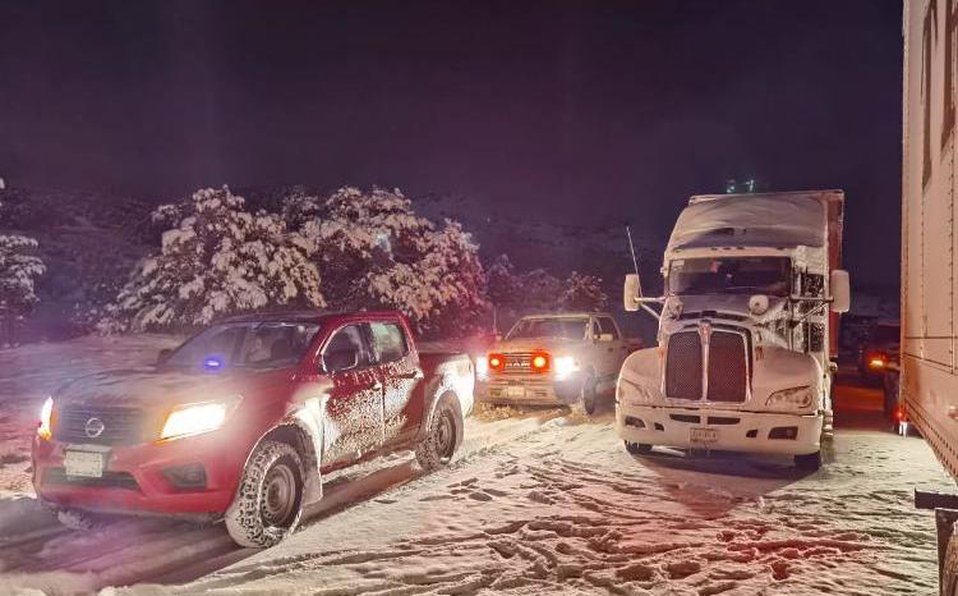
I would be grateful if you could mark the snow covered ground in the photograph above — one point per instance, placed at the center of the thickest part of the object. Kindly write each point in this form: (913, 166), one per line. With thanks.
(537, 502)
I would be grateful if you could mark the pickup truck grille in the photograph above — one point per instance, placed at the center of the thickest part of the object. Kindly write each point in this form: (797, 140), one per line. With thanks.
(518, 363)
(121, 426)
(727, 367)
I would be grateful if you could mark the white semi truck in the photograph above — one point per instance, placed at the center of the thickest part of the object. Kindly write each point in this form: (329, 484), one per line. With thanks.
(747, 329)
(929, 294)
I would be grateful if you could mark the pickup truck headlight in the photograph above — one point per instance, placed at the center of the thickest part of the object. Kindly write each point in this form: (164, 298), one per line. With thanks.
(194, 419)
(45, 428)
(796, 397)
(564, 366)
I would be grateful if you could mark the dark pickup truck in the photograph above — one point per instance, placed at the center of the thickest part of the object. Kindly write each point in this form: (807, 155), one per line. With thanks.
(242, 420)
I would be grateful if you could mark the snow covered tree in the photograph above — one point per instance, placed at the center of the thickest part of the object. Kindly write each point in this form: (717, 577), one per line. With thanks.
(583, 292)
(19, 271)
(374, 252)
(217, 259)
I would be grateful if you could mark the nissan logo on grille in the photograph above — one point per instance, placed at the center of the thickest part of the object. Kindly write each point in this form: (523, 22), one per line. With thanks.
(94, 427)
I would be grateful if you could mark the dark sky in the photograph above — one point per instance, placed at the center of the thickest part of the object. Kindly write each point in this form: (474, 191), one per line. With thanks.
(566, 111)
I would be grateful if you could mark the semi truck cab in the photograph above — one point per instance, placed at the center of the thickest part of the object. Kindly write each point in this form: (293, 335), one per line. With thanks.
(746, 329)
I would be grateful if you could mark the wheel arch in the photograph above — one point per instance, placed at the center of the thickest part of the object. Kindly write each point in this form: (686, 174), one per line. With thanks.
(307, 442)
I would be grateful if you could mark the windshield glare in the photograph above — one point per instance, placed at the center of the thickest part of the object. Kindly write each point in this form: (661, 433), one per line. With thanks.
(247, 345)
(732, 275)
(571, 328)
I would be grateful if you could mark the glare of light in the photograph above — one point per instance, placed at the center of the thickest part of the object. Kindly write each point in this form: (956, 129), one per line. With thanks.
(482, 368)
(45, 429)
(540, 362)
(193, 420)
(565, 366)
(212, 363)
(496, 362)
(876, 363)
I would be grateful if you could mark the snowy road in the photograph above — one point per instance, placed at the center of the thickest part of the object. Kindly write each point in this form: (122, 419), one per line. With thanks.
(540, 503)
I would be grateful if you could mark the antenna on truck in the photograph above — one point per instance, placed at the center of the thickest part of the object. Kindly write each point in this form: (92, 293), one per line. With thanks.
(635, 263)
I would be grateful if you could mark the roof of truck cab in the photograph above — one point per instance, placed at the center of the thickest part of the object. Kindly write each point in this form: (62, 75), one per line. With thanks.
(306, 316)
(567, 315)
(784, 219)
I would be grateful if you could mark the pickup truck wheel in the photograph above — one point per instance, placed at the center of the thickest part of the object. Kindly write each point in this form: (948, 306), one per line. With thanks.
(79, 520)
(810, 462)
(269, 500)
(587, 397)
(637, 448)
(443, 437)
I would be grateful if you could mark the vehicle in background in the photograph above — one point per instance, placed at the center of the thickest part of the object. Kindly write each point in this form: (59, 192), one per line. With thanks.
(879, 350)
(929, 369)
(242, 420)
(553, 359)
(745, 339)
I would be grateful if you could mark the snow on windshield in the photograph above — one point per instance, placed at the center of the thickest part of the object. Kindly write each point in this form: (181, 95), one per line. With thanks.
(255, 345)
(566, 328)
(731, 275)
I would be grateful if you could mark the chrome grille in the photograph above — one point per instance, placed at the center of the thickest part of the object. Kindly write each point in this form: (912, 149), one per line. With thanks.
(728, 376)
(518, 363)
(683, 370)
(121, 426)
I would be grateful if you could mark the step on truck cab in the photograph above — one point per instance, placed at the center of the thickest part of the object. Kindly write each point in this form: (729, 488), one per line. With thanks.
(747, 329)
(241, 421)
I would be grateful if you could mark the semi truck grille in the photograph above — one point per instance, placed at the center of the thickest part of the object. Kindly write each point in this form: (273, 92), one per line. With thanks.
(727, 369)
(101, 426)
(683, 371)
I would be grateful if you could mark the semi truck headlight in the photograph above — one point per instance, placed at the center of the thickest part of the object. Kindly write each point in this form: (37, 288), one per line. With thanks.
(194, 419)
(796, 397)
(45, 429)
(564, 366)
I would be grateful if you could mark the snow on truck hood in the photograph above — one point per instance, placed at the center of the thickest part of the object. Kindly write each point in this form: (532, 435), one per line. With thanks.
(795, 219)
(534, 344)
(149, 387)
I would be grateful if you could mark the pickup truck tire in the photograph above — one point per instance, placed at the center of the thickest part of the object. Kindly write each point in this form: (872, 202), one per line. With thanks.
(76, 519)
(443, 436)
(587, 396)
(637, 448)
(269, 501)
(810, 462)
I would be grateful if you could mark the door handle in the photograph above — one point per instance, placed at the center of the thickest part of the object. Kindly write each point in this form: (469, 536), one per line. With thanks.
(377, 386)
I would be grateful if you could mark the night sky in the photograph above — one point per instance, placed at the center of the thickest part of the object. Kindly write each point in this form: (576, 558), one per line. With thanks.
(565, 111)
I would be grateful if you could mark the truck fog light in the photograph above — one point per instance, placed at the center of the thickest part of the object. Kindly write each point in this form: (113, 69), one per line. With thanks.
(783, 432)
(187, 476)
(794, 398)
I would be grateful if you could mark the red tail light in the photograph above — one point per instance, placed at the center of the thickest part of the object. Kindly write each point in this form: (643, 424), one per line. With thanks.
(539, 362)
(497, 362)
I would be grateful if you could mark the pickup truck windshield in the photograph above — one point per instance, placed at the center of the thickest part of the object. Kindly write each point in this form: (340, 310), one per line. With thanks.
(246, 345)
(571, 328)
(730, 275)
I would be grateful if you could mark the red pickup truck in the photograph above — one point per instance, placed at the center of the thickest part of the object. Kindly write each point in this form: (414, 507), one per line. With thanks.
(242, 420)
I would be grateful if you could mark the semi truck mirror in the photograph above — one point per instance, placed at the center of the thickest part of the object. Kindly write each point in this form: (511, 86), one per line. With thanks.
(631, 292)
(841, 291)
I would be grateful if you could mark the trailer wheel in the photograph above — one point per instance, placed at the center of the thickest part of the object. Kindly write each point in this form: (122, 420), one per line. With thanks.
(269, 500)
(809, 462)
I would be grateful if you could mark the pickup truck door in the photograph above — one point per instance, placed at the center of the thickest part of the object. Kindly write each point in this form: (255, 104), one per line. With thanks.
(612, 350)
(353, 415)
(397, 368)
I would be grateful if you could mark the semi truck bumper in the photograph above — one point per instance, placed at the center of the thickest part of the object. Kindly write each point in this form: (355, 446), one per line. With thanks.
(720, 430)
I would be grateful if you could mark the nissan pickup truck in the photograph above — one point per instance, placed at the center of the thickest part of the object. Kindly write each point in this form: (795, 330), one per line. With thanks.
(553, 359)
(241, 422)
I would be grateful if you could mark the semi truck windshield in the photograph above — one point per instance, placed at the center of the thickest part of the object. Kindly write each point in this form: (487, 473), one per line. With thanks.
(730, 275)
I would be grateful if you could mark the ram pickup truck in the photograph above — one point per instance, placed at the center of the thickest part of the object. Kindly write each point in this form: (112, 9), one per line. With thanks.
(554, 359)
(241, 421)
(747, 329)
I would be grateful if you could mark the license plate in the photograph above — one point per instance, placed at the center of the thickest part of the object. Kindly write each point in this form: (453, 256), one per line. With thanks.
(516, 391)
(703, 436)
(83, 463)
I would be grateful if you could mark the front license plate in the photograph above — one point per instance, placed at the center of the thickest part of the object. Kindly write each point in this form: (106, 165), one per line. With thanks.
(83, 463)
(516, 391)
(703, 436)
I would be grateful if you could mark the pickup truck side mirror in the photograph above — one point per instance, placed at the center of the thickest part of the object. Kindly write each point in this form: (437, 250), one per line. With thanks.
(163, 356)
(840, 290)
(631, 292)
(340, 360)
